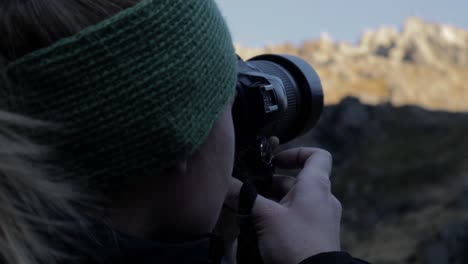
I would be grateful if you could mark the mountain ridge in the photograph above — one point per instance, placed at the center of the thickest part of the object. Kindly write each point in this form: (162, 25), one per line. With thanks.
(422, 64)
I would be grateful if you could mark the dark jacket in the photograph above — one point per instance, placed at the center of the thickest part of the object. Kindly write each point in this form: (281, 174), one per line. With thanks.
(112, 247)
(333, 258)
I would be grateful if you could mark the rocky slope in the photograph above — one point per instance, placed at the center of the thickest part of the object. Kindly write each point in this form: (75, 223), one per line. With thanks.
(422, 64)
(401, 174)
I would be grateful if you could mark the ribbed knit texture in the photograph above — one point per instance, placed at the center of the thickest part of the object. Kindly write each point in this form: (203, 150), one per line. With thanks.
(135, 92)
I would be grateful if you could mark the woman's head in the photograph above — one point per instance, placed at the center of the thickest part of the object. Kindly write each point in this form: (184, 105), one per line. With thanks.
(136, 86)
(135, 92)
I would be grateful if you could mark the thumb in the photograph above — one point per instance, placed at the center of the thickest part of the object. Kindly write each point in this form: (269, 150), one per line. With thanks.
(265, 208)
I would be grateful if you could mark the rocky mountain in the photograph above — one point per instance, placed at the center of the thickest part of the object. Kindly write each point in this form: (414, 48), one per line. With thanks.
(423, 64)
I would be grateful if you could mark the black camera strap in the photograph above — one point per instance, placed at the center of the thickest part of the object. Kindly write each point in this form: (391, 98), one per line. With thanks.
(247, 247)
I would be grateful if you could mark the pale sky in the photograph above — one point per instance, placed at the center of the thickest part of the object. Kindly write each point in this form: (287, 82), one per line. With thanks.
(259, 22)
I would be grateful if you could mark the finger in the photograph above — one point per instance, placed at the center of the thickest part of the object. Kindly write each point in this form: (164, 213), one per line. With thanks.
(232, 197)
(316, 172)
(294, 158)
(265, 209)
(281, 185)
(274, 142)
(320, 162)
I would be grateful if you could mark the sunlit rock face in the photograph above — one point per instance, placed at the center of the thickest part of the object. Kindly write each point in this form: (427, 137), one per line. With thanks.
(422, 63)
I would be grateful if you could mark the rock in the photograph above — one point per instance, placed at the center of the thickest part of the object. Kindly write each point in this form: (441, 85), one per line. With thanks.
(380, 42)
(448, 245)
(432, 44)
(436, 253)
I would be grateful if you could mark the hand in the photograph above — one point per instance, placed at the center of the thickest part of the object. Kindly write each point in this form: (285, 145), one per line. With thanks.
(306, 220)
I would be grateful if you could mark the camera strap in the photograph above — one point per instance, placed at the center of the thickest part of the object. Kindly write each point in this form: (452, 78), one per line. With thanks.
(247, 248)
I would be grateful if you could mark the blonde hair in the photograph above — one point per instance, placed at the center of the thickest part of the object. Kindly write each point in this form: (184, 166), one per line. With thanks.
(37, 203)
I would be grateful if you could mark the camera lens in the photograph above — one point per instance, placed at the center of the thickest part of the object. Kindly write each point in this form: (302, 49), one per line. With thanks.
(303, 91)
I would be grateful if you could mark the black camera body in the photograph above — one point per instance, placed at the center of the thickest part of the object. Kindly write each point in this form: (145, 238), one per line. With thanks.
(277, 95)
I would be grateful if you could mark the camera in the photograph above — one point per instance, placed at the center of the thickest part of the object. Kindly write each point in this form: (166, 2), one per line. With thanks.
(277, 95)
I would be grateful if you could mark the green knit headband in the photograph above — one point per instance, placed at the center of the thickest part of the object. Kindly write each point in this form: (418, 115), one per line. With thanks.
(136, 91)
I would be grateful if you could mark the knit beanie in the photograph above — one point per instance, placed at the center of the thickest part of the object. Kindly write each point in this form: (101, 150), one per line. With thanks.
(133, 93)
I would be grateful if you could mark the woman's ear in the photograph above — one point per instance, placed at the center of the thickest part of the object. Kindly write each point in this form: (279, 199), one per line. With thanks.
(176, 169)
(181, 167)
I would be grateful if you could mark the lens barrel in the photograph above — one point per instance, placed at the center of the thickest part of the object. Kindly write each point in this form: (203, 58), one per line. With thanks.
(278, 95)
